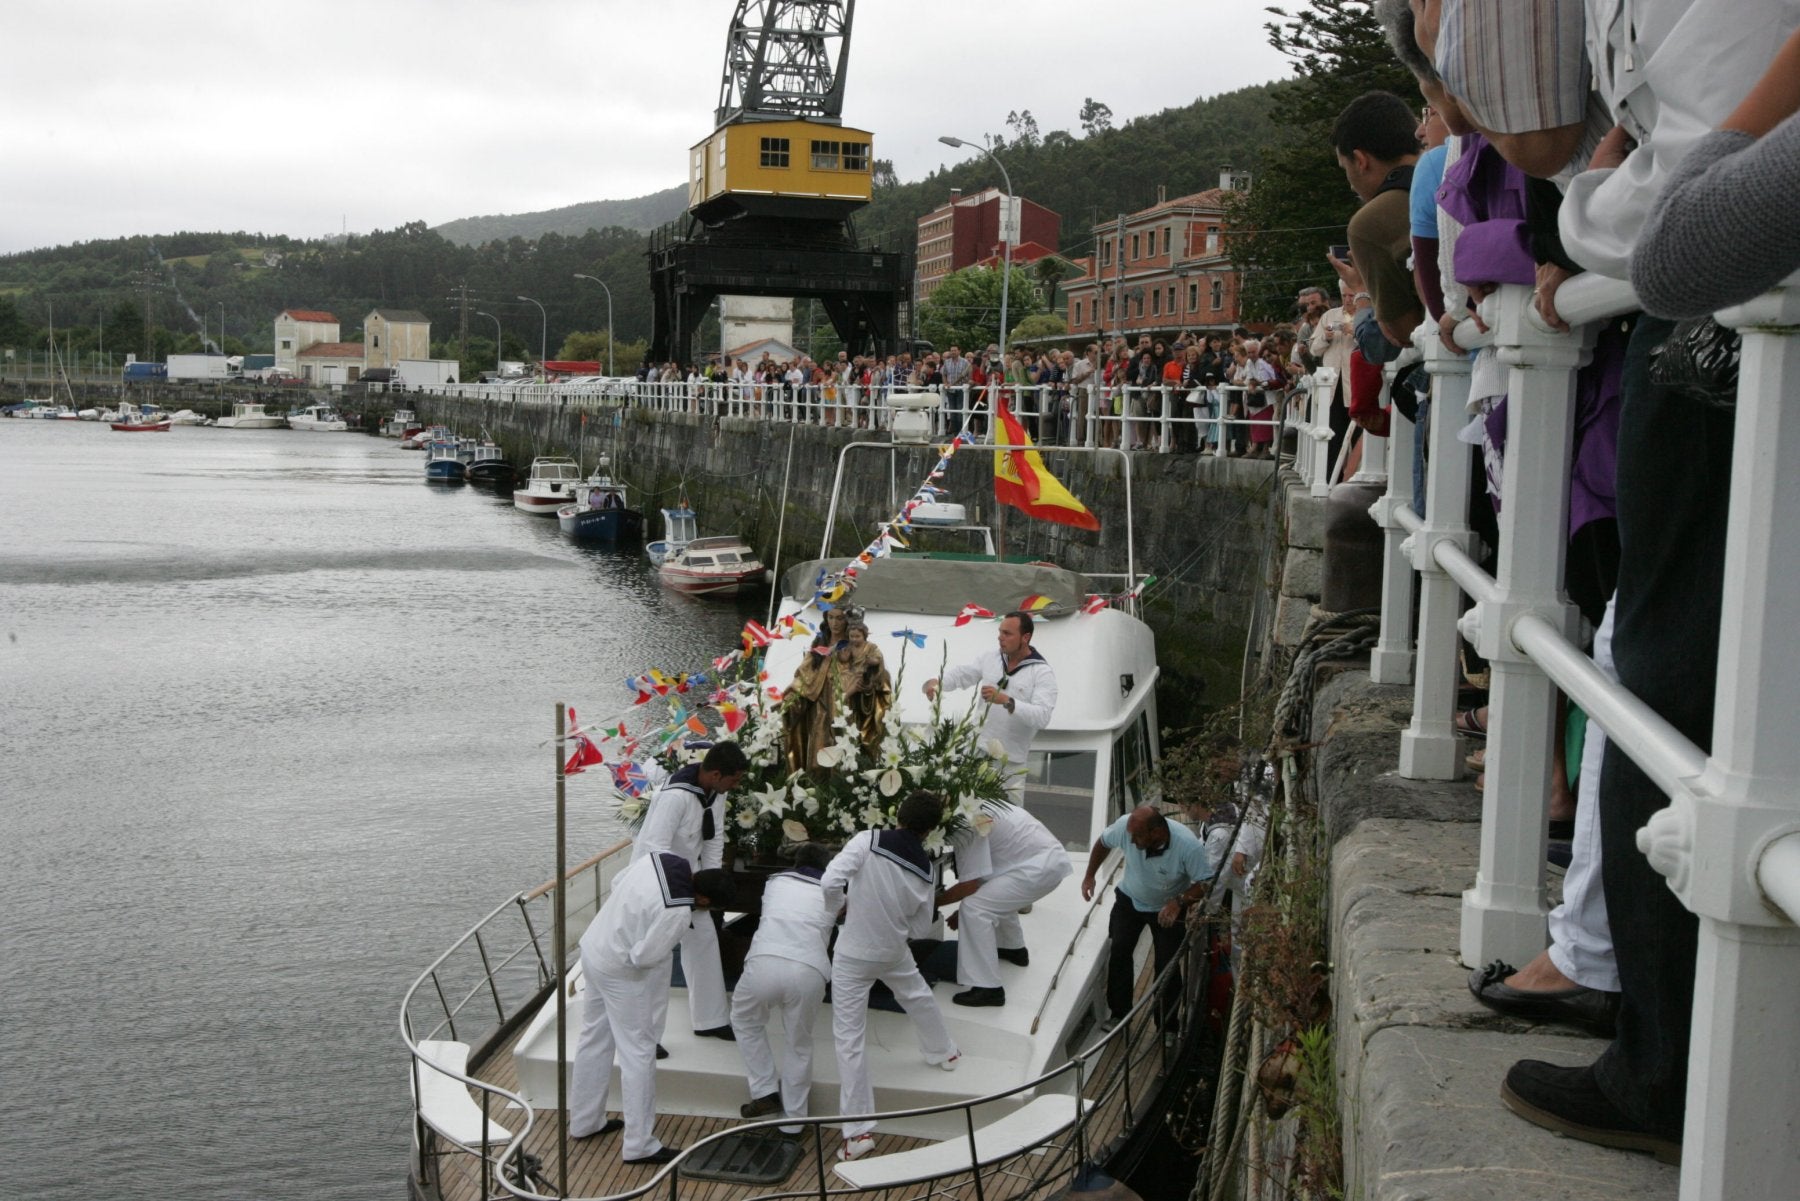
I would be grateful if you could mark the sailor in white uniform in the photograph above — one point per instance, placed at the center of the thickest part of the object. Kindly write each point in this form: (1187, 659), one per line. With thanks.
(1018, 862)
(1019, 687)
(686, 817)
(785, 973)
(890, 882)
(625, 956)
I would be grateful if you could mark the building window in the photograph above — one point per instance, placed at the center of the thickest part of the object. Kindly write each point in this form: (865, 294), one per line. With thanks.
(377, 341)
(721, 154)
(1218, 295)
(1168, 239)
(287, 344)
(1212, 242)
(825, 156)
(1106, 254)
(1077, 320)
(1134, 247)
(1140, 304)
(774, 152)
(856, 156)
(1171, 300)
(1156, 301)
(1193, 298)
(1112, 305)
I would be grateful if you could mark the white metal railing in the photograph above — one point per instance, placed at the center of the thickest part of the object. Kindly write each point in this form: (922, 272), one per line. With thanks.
(1161, 418)
(1729, 841)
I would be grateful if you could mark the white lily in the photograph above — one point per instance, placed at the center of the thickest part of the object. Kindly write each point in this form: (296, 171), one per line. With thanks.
(847, 823)
(934, 842)
(891, 782)
(772, 799)
(995, 748)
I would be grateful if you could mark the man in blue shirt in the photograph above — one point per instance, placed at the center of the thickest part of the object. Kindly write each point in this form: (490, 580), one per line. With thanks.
(1167, 868)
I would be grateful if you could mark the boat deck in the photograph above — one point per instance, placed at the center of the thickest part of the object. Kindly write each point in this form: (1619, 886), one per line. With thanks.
(1116, 1097)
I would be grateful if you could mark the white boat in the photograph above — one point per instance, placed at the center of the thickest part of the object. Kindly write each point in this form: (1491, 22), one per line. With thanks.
(679, 529)
(1039, 1084)
(723, 566)
(551, 484)
(89, 414)
(186, 417)
(249, 415)
(317, 417)
(401, 423)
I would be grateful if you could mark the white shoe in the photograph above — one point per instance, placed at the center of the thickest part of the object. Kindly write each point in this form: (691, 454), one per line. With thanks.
(856, 1147)
(949, 1065)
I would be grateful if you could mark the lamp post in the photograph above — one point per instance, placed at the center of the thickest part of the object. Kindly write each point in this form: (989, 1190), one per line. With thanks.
(609, 333)
(1005, 231)
(497, 352)
(543, 333)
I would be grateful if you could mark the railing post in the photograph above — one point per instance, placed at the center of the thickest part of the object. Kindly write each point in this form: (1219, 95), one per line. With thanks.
(1391, 662)
(1742, 1090)
(1428, 748)
(1503, 914)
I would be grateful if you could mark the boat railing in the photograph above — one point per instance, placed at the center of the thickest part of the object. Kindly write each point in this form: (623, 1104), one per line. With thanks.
(1127, 1065)
(487, 983)
(1729, 839)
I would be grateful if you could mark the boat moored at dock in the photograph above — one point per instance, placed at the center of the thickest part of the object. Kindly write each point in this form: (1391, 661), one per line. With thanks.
(550, 485)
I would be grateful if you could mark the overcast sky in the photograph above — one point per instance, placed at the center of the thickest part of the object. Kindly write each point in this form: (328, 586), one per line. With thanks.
(131, 117)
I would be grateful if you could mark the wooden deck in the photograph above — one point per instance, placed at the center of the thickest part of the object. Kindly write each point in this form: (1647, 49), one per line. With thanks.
(595, 1169)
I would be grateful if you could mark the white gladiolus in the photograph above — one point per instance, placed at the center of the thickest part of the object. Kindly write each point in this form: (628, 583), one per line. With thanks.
(995, 748)
(934, 841)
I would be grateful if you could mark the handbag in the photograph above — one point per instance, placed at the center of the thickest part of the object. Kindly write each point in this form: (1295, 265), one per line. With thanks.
(1700, 358)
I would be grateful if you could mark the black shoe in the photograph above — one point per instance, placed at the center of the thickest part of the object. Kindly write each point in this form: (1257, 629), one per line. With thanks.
(610, 1126)
(762, 1107)
(1588, 1008)
(724, 1032)
(662, 1052)
(663, 1155)
(980, 997)
(1018, 955)
(1567, 1101)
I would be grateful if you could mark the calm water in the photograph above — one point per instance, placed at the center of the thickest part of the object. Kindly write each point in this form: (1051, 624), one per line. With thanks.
(272, 715)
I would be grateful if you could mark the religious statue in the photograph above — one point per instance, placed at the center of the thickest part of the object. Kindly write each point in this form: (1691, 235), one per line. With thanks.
(843, 668)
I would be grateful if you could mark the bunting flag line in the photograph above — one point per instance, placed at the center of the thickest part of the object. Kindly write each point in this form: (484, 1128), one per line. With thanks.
(1022, 481)
(755, 635)
(1037, 602)
(970, 613)
(586, 754)
(724, 662)
(1093, 604)
(917, 638)
(1137, 589)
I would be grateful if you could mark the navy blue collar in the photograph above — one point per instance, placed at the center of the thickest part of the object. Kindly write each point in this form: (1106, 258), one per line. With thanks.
(675, 878)
(906, 849)
(809, 875)
(1031, 657)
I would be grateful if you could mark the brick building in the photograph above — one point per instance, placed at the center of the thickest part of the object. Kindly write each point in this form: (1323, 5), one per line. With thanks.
(1160, 270)
(964, 231)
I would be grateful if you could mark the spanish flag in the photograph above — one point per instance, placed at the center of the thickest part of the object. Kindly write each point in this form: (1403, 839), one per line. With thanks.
(1022, 481)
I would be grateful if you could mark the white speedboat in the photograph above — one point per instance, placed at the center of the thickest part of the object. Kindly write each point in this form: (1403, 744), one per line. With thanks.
(1043, 1089)
(679, 529)
(713, 567)
(551, 484)
(317, 417)
(400, 424)
(186, 417)
(248, 415)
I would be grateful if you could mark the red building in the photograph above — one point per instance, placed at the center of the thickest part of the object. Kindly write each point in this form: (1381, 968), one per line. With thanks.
(965, 231)
(1160, 270)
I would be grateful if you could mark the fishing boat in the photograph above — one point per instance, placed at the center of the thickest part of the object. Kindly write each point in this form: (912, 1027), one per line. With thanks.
(722, 566)
(419, 439)
(142, 419)
(602, 513)
(489, 466)
(249, 415)
(402, 423)
(318, 418)
(678, 531)
(550, 485)
(444, 463)
(1045, 1091)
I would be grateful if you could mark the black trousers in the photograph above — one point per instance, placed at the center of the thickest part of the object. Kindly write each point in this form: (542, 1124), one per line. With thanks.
(1125, 927)
(1674, 476)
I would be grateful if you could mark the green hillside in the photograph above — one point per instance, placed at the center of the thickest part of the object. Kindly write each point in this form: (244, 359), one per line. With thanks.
(641, 213)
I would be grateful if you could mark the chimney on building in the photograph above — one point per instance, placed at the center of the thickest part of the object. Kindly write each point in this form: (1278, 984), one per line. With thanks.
(1162, 193)
(955, 195)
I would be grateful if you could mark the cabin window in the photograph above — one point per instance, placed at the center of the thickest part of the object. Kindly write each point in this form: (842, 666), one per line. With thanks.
(856, 156)
(774, 152)
(1131, 767)
(726, 558)
(825, 156)
(1059, 791)
(700, 561)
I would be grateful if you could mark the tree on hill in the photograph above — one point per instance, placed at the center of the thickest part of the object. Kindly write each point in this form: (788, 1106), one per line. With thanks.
(1300, 203)
(1039, 327)
(1095, 117)
(964, 308)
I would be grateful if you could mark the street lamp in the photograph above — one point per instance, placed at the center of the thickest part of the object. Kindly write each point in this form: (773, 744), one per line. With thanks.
(609, 333)
(543, 333)
(496, 322)
(1005, 230)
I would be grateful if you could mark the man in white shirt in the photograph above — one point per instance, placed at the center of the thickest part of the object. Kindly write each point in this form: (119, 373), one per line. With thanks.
(1019, 688)
(625, 956)
(785, 974)
(890, 882)
(686, 817)
(1016, 862)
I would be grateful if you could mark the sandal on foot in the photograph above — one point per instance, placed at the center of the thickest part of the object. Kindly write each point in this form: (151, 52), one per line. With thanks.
(1477, 762)
(1470, 723)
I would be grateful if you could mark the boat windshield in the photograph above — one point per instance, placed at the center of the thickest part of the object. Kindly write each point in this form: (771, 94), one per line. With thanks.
(1059, 791)
(699, 561)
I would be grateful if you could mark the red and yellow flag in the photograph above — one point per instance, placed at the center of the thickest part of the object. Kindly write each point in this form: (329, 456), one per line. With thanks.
(1022, 481)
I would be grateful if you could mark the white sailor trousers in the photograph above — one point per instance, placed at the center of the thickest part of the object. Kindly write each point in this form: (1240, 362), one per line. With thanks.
(622, 1018)
(850, 982)
(989, 917)
(773, 987)
(700, 967)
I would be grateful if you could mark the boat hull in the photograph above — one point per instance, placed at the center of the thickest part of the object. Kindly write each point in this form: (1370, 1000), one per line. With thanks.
(710, 583)
(445, 471)
(539, 504)
(134, 427)
(495, 472)
(601, 527)
(251, 423)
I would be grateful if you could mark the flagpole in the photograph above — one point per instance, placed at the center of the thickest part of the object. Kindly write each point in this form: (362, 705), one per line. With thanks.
(562, 965)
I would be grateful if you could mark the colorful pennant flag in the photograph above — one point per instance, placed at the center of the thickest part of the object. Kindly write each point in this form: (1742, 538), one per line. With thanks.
(1094, 603)
(755, 635)
(917, 638)
(970, 613)
(1037, 602)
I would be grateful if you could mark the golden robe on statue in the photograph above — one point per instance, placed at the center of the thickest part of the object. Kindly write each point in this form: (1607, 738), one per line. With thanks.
(853, 675)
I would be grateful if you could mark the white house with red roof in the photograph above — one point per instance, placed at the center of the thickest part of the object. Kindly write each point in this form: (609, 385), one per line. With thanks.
(297, 329)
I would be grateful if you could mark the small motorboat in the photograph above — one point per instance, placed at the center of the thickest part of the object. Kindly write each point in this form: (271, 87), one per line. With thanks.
(248, 415)
(147, 419)
(678, 531)
(444, 463)
(421, 438)
(713, 567)
(401, 424)
(601, 513)
(550, 485)
(318, 417)
(489, 466)
(187, 417)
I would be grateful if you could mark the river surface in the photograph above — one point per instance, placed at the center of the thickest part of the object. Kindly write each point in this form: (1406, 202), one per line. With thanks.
(273, 723)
